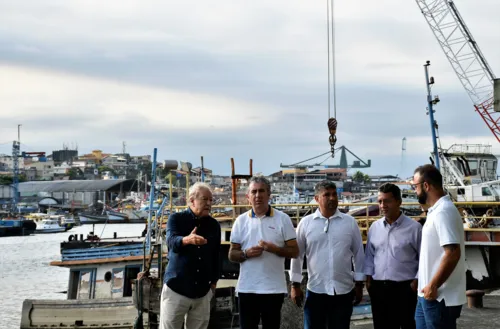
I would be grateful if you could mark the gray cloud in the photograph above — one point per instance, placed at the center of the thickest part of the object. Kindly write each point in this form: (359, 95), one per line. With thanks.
(276, 55)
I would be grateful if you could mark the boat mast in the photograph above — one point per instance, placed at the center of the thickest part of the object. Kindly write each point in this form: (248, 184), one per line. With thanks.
(430, 111)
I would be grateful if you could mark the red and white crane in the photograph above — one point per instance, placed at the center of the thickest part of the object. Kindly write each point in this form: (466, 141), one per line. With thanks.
(466, 58)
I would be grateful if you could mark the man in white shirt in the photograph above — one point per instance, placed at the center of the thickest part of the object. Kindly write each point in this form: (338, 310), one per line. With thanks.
(261, 239)
(331, 242)
(441, 272)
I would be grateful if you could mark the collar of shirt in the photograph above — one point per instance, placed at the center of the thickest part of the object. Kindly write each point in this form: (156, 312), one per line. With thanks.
(397, 222)
(190, 211)
(318, 214)
(269, 213)
(438, 203)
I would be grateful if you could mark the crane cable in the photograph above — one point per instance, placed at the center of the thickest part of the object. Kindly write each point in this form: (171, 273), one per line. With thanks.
(332, 122)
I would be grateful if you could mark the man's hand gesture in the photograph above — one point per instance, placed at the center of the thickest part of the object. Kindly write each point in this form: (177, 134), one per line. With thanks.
(297, 295)
(194, 239)
(252, 252)
(268, 246)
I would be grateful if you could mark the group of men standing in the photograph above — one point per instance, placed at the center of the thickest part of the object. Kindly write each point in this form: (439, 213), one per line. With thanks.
(414, 274)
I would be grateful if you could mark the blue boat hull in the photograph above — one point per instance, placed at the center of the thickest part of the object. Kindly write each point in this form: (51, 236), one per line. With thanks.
(17, 227)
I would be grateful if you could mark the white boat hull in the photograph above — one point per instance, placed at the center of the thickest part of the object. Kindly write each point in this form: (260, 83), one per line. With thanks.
(50, 230)
(86, 220)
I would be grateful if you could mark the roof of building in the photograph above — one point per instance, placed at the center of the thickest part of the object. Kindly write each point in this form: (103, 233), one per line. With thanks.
(328, 171)
(372, 177)
(111, 185)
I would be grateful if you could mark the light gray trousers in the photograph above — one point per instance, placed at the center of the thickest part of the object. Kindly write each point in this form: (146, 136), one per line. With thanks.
(177, 309)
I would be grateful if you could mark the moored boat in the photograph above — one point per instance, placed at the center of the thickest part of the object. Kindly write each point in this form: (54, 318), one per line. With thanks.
(49, 226)
(16, 226)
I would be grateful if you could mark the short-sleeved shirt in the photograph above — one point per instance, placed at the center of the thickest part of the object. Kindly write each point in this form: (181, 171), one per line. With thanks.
(264, 274)
(443, 227)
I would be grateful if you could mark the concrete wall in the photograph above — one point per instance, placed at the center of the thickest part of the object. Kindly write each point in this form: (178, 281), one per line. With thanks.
(6, 192)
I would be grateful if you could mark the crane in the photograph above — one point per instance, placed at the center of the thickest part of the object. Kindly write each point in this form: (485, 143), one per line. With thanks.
(359, 163)
(466, 58)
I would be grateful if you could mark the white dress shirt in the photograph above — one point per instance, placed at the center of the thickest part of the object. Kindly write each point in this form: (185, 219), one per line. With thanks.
(331, 246)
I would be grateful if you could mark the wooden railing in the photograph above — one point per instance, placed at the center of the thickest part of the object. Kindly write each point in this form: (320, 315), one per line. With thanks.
(298, 211)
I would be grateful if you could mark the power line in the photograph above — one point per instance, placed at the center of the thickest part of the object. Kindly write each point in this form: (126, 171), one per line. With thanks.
(297, 163)
(333, 61)
(328, 52)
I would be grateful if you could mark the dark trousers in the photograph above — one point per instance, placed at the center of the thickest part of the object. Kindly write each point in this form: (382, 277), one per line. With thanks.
(254, 307)
(322, 311)
(393, 304)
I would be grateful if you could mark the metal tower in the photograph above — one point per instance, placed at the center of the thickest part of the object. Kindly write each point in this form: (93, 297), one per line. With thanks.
(403, 158)
(465, 57)
(16, 147)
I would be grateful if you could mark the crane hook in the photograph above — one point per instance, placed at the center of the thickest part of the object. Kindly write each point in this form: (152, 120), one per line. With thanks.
(332, 127)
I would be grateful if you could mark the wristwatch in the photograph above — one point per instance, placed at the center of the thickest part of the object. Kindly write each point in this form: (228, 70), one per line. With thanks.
(245, 257)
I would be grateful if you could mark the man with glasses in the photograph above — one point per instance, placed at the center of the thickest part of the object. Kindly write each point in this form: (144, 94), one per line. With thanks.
(193, 239)
(261, 239)
(441, 272)
(391, 263)
(332, 244)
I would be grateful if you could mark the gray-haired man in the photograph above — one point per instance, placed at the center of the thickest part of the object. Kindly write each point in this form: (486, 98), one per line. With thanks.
(193, 239)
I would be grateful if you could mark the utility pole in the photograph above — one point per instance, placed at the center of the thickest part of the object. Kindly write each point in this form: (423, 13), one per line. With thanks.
(16, 147)
(431, 102)
(202, 174)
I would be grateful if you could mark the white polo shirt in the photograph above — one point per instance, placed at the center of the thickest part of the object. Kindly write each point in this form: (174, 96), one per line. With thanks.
(443, 226)
(264, 274)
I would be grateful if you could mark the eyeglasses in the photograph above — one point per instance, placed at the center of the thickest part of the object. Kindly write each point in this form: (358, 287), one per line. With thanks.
(327, 225)
(413, 186)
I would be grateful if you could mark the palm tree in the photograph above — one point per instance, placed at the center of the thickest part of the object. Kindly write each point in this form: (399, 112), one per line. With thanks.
(358, 177)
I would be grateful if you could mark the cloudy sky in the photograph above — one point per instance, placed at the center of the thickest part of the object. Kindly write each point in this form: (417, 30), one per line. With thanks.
(225, 78)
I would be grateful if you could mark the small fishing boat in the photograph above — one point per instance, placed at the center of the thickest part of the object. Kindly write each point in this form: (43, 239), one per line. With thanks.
(50, 226)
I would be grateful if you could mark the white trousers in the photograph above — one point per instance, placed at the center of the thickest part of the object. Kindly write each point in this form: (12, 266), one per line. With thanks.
(177, 309)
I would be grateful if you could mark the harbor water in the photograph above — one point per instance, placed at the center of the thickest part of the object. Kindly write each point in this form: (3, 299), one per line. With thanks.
(25, 272)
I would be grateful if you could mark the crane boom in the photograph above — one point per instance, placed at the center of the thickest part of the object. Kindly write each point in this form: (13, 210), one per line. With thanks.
(465, 57)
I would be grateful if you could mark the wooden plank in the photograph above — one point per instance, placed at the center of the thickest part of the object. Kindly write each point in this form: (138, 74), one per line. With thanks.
(482, 229)
(482, 243)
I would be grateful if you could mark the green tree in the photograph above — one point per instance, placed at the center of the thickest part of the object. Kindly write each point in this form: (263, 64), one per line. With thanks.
(7, 180)
(366, 179)
(102, 169)
(358, 177)
(75, 173)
